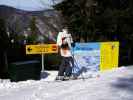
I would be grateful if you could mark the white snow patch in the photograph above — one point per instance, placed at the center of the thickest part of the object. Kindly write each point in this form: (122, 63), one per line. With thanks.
(111, 85)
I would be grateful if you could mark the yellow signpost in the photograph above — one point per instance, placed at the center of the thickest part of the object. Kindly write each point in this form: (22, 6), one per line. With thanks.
(41, 49)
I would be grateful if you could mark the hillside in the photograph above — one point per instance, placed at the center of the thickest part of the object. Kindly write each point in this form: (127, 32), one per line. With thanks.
(19, 21)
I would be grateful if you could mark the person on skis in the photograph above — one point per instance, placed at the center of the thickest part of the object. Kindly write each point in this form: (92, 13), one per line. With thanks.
(64, 43)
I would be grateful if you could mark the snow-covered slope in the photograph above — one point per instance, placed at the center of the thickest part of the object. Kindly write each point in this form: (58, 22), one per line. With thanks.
(30, 5)
(111, 85)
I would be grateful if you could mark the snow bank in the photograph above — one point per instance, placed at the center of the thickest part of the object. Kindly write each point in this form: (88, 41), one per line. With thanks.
(6, 84)
(111, 85)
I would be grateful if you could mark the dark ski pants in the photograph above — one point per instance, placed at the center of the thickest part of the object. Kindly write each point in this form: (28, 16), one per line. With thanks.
(65, 68)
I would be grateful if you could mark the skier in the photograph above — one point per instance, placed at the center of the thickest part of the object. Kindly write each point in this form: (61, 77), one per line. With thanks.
(64, 43)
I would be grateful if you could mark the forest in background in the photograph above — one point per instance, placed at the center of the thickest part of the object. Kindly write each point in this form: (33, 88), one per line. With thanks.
(100, 21)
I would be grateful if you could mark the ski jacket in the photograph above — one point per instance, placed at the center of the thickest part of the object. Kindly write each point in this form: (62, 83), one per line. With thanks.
(64, 41)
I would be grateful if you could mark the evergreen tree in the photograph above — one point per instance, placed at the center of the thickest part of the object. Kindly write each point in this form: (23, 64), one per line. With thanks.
(33, 25)
(94, 19)
(33, 36)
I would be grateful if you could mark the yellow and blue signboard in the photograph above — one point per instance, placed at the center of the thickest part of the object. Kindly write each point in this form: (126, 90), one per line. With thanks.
(98, 56)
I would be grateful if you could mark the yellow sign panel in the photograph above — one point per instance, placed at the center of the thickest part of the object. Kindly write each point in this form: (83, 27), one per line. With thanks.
(109, 53)
(41, 49)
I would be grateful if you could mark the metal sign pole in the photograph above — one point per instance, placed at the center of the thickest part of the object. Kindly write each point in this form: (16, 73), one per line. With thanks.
(42, 63)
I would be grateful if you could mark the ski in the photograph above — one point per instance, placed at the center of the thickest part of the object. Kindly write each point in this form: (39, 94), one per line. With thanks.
(74, 79)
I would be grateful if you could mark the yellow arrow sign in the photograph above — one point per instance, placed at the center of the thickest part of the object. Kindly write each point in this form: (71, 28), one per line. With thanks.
(41, 49)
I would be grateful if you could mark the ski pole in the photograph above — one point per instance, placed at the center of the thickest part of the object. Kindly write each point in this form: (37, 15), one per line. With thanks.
(74, 60)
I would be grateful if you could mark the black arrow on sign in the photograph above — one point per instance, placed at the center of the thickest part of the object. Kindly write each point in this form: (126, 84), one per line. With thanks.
(29, 49)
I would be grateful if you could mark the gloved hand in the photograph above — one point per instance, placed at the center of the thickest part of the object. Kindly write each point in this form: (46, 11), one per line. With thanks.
(73, 45)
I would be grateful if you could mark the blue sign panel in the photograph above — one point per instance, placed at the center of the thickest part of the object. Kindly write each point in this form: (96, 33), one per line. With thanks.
(86, 57)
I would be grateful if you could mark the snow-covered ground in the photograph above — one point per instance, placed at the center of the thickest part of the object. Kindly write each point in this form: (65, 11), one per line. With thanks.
(111, 85)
